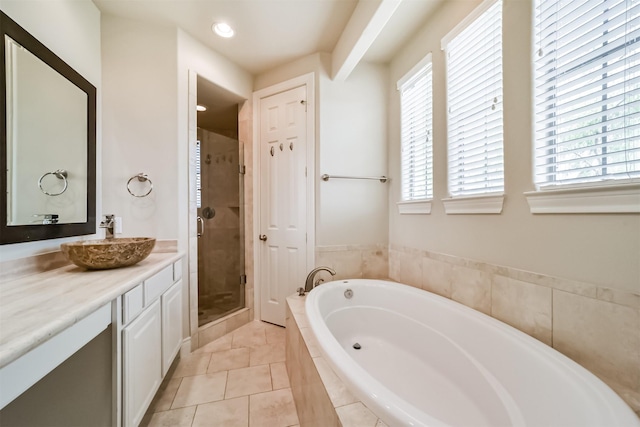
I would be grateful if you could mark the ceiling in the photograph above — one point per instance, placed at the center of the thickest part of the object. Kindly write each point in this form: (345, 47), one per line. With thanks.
(270, 33)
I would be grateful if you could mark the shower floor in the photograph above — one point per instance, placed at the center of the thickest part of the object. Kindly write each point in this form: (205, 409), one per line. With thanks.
(209, 314)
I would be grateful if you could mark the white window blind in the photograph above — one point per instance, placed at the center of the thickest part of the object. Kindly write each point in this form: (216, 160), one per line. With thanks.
(474, 96)
(198, 177)
(587, 98)
(416, 133)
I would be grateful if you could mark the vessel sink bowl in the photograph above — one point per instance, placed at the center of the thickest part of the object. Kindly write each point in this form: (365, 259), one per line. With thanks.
(108, 253)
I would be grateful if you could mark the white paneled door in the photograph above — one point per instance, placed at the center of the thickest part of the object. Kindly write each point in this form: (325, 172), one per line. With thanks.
(283, 199)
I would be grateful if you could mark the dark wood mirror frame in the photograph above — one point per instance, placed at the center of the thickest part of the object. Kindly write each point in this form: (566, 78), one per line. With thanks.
(28, 233)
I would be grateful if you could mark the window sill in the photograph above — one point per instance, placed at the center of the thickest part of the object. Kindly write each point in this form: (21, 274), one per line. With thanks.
(481, 204)
(414, 207)
(609, 198)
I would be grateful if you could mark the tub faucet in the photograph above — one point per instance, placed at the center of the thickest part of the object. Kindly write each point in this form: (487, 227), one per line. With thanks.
(108, 223)
(309, 284)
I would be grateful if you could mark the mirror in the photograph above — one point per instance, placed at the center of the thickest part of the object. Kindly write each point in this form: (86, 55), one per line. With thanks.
(48, 114)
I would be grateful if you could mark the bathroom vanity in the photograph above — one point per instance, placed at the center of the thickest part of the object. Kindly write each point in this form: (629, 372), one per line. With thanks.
(88, 347)
(77, 347)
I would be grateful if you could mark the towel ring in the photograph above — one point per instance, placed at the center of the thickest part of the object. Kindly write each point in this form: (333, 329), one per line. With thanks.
(60, 174)
(141, 178)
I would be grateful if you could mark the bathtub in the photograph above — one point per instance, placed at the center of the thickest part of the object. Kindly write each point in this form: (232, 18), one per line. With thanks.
(418, 359)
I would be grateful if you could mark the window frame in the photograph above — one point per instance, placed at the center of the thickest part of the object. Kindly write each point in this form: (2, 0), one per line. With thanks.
(473, 203)
(605, 196)
(421, 205)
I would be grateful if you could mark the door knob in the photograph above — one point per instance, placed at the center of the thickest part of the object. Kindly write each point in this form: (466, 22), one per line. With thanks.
(263, 237)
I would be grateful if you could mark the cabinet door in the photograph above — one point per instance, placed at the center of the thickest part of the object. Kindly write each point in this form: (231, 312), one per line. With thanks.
(142, 363)
(171, 325)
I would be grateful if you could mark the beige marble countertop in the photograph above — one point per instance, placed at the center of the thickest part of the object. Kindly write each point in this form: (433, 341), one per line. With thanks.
(37, 307)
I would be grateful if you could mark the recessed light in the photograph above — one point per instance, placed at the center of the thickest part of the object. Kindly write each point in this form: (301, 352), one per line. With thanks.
(223, 29)
(201, 108)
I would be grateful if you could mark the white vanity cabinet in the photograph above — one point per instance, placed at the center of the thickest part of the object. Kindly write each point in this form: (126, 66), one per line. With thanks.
(141, 363)
(151, 338)
(171, 307)
(88, 348)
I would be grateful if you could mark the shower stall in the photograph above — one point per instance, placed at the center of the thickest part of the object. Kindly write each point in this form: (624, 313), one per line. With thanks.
(219, 187)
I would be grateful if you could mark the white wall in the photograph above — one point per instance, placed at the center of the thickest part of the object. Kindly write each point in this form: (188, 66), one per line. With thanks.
(353, 142)
(71, 29)
(599, 249)
(193, 55)
(351, 139)
(146, 126)
(140, 127)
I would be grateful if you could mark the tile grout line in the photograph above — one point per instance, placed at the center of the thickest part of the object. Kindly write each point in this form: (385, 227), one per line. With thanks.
(193, 419)
(248, 410)
(552, 319)
(176, 393)
(226, 384)
(262, 336)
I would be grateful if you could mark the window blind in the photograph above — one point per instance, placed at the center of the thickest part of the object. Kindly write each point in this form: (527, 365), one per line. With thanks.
(416, 134)
(474, 96)
(198, 177)
(587, 91)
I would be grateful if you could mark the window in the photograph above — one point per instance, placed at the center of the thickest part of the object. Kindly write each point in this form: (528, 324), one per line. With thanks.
(474, 96)
(587, 80)
(416, 135)
(198, 177)
(587, 106)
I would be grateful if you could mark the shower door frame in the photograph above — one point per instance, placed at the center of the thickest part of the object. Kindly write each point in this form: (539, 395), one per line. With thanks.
(191, 301)
(241, 233)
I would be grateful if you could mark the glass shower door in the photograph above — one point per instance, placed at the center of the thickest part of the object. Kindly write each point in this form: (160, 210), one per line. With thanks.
(220, 227)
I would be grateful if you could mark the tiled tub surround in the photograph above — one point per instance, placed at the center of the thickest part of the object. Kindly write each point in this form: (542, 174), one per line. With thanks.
(423, 359)
(355, 261)
(595, 326)
(321, 398)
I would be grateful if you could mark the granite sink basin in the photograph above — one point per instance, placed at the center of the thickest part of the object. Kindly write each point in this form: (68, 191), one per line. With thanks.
(108, 253)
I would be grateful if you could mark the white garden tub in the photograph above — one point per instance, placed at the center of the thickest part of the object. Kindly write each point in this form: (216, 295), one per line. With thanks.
(425, 360)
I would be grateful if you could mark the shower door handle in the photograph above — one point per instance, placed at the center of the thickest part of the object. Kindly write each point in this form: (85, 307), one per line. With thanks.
(200, 226)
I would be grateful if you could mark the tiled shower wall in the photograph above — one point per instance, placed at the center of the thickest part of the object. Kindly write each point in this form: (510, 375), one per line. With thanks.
(595, 326)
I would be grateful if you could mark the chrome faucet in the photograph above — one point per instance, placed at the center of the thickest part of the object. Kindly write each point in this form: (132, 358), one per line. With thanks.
(108, 223)
(47, 218)
(309, 284)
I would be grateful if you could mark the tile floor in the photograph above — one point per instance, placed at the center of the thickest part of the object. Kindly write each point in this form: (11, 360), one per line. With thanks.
(239, 380)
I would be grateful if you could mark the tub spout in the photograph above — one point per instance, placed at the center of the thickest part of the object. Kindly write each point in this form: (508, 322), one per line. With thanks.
(309, 284)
